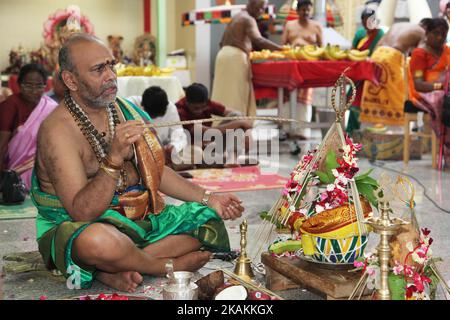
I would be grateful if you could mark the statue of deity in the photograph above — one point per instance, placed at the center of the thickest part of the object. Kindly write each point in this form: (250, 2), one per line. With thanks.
(145, 50)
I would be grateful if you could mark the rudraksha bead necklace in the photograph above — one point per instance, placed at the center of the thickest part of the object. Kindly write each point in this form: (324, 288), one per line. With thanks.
(96, 139)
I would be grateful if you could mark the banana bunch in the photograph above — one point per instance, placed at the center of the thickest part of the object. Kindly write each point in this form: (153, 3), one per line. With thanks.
(334, 53)
(148, 71)
(260, 55)
(356, 55)
(309, 53)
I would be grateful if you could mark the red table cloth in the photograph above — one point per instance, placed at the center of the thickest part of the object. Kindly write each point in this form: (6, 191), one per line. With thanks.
(268, 76)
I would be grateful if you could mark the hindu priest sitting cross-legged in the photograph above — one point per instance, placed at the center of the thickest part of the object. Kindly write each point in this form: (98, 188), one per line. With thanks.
(96, 181)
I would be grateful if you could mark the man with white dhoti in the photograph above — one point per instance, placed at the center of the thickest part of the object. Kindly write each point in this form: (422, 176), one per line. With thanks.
(233, 80)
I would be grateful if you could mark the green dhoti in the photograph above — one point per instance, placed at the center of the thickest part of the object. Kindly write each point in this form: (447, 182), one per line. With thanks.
(56, 231)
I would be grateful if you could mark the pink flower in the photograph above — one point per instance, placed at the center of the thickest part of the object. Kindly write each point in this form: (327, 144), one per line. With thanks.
(398, 268)
(358, 264)
(408, 271)
(420, 280)
(43, 298)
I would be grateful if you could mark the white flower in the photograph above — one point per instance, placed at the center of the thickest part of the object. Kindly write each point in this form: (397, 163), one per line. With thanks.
(373, 279)
(335, 173)
(346, 149)
(319, 208)
(417, 259)
(330, 187)
(342, 179)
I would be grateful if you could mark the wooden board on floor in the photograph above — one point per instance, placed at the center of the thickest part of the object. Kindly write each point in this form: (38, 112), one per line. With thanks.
(330, 283)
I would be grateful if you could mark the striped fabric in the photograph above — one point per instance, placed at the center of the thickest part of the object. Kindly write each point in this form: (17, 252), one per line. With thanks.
(339, 251)
(223, 14)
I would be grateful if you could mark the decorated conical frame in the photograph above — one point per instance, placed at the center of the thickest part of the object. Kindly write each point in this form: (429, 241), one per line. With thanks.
(334, 233)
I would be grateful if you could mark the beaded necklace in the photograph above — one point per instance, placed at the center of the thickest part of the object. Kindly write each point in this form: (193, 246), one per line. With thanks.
(96, 139)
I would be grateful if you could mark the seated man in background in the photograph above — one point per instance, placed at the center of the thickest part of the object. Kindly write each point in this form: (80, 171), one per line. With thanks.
(21, 115)
(196, 105)
(155, 102)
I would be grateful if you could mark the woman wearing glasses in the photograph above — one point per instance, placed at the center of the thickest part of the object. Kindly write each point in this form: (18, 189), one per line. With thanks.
(20, 117)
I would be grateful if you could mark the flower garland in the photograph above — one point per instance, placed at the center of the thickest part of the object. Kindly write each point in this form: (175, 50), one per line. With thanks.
(336, 193)
(293, 185)
(416, 280)
(56, 20)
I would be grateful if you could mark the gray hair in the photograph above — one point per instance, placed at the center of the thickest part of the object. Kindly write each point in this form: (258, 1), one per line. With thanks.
(64, 57)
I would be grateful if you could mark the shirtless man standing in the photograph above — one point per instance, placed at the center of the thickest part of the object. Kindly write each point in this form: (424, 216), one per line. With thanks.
(97, 177)
(232, 80)
(303, 31)
(384, 103)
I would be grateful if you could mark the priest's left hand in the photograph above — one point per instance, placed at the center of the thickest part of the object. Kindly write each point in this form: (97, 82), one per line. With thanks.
(227, 206)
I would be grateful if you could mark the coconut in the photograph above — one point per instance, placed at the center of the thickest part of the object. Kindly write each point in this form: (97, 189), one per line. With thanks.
(232, 293)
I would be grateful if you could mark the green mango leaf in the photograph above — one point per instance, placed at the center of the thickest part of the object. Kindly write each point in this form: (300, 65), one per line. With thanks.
(323, 177)
(368, 180)
(331, 161)
(363, 175)
(367, 191)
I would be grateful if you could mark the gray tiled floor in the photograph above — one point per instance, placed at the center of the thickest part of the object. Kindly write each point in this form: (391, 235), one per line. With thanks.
(18, 235)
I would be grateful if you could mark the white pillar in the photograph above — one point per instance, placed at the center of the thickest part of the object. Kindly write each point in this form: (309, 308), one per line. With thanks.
(418, 9)
(203, 48)
(386, 12)
(162, 33)
(320, 12)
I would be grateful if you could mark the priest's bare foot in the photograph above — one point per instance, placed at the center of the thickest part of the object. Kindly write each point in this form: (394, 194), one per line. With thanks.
(122, 281)
(192, 261)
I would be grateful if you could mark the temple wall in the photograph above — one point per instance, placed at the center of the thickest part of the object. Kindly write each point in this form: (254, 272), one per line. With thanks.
(21, 21)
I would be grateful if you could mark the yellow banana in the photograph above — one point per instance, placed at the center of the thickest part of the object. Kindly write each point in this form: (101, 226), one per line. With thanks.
(310, 47)
(327, 53)
(300, 54)
(337, 53)
(356, 55)
(313, 53)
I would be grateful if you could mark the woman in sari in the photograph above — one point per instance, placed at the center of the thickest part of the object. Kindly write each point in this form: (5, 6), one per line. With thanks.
(366, 38)
(21, 115)
(428, 73)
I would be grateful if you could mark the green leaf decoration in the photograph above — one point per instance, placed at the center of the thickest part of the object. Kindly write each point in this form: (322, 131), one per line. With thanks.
(323, 177)
(266, 216)
(369, 180)
(331, 163)
(363, 175)
(367, 191)
(397, 286)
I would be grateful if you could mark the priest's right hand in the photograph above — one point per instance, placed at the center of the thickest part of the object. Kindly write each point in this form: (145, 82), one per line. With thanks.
(126, 134)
